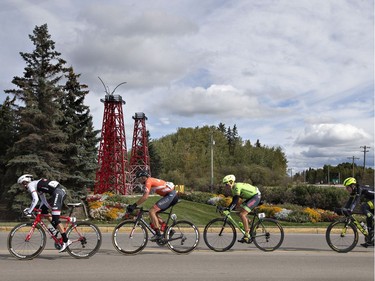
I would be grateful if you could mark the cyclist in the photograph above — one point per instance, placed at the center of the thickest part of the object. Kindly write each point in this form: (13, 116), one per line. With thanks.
(358, 192)
(162, 188)
(38, 189)
(251, 198)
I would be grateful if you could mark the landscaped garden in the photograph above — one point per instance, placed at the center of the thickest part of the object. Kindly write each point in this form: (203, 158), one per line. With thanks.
(299, 204)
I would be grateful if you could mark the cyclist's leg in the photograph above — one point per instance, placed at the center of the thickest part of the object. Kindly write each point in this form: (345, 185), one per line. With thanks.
(57, 202)
(368, 209)
(162, 205)
(246, 208)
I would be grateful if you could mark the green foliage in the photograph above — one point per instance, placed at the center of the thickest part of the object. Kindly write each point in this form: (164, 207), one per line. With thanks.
(198, 197)
(326, 198)
(51, 131)
(334, 174)
(186, 158)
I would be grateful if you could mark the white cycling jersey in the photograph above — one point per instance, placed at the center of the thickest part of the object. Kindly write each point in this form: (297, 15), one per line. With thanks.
(32, 187)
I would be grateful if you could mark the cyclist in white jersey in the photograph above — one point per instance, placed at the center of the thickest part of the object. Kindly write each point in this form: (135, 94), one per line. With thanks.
(38, 190)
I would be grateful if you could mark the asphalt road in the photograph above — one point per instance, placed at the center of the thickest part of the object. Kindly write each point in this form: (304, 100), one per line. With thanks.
(301, 257)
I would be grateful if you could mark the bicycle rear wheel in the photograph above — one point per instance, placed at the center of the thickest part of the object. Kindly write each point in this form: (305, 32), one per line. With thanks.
(86, 240)
(182, 237)
(25, 242)
(129, 238)
(268, 235)
(219, 235)
(342, 236)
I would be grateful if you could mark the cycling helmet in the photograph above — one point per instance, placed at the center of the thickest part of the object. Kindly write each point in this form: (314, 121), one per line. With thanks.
(229, 178)
(349, 181)
(142, 173)
(25, 178)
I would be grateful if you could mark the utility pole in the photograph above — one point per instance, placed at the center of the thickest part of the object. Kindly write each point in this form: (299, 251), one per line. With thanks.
(212, 143)
(364, 157)
(353, 159)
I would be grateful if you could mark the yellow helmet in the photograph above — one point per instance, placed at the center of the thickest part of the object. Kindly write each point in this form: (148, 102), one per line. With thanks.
(349, 181)
(229, 178)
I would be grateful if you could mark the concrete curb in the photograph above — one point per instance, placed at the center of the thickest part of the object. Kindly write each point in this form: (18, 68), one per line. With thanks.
(307, 230)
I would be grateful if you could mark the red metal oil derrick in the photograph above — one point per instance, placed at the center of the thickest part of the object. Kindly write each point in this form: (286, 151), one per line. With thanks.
(112, 155)
(140, 158)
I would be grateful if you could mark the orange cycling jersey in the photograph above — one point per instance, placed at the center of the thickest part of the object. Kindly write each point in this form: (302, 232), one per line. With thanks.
(159, 186)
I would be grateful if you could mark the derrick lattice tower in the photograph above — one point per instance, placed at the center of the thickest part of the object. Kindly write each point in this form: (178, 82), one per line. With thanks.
(113, 166)
(140, 158)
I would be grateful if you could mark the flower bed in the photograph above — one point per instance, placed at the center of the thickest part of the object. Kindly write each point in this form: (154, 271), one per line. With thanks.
(291, 213)
(107, 206)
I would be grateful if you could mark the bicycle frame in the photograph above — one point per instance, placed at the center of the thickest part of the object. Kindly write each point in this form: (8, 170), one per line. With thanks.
(351, 219)
(139, 218)
(256, 217)
(38, 219)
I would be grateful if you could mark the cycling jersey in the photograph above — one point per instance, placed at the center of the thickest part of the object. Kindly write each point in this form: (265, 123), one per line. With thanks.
(39, 188)
(244, 190)
(159, 186)
(358, 193)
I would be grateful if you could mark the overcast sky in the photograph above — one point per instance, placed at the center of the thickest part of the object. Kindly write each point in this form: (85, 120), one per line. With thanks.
(298, 74)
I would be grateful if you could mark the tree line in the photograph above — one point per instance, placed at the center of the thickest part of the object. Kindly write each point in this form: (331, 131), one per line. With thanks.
(336, 174)
(192, 156)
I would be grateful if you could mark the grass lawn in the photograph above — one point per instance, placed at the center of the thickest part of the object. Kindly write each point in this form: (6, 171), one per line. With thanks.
(198, 213)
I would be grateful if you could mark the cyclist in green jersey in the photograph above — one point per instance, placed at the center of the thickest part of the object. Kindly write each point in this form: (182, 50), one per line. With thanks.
(251, 197)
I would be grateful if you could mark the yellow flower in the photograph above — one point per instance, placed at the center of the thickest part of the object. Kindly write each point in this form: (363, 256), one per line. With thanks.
(95, 204)
(314, 215)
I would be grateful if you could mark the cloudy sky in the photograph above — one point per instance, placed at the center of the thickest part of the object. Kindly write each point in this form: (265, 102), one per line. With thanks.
(298, 74)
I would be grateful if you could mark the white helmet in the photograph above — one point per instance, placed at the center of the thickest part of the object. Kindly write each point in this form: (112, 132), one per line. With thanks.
(25, 178)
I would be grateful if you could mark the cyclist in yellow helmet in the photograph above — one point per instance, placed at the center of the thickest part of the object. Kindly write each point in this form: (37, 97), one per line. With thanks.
(358, 192)
(251, 196)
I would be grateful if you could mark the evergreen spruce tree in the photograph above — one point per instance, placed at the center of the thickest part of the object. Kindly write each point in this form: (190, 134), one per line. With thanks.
(41, 144)
(80, 156)
(8, 133)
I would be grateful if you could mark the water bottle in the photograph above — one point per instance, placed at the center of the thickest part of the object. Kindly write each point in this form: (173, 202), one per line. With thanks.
(240, 224)
(363, 225)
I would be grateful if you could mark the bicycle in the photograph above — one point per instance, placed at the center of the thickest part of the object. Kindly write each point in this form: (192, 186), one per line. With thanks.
(220, 233)
(342, 235)
(130, 236)
(27, 240)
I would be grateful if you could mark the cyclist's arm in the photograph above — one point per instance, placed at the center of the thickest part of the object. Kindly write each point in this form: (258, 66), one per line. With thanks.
(369, 194)
(44, 201)
(235, 200)
(352, 202)
(35, 200)
(144, 197)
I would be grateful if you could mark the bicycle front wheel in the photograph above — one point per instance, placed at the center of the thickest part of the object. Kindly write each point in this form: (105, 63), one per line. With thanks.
(86, 240)
(342, 236)
(182, 237)
(129, 237)
(268, 235)
(25, 242)
(219, 235)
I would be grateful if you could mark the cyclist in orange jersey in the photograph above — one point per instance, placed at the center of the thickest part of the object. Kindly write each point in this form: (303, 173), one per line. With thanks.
(162, 188)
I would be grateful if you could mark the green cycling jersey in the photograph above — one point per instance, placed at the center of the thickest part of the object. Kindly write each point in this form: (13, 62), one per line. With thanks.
(244, 190)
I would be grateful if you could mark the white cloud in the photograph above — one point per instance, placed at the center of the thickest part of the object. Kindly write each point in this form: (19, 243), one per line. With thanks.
(297, 74)
(331, 135)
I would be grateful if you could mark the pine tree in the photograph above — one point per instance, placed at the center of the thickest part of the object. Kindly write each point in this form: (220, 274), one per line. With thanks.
(80, 156)
(8, 133)
(41, 142)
